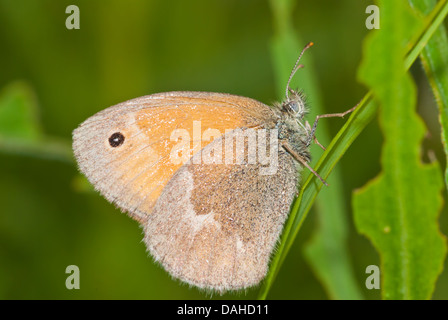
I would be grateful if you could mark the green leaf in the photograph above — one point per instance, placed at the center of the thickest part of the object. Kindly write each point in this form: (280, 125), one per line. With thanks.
(398, 210)
(20, 129)
(358, 120)
(435, 62)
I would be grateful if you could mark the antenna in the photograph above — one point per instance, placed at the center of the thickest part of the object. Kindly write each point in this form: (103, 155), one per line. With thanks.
(297, 66)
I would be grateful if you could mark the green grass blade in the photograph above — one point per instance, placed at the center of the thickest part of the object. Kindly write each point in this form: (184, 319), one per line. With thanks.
(285, 47)
(341, 142)
(398, 210)
(434, 58)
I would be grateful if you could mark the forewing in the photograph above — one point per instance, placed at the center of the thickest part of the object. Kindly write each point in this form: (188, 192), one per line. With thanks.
(134, 174)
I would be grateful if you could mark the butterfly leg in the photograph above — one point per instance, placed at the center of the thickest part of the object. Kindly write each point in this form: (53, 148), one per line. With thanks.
(296, 156)
(312, 136)
(308, 127)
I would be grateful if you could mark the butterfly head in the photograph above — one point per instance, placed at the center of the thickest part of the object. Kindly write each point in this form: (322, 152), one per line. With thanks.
(295, 105)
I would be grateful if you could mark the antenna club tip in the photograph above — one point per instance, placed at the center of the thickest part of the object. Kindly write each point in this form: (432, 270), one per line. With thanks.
(310, 44)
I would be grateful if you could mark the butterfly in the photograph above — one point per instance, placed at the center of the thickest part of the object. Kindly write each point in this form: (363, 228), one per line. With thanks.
(209, 176)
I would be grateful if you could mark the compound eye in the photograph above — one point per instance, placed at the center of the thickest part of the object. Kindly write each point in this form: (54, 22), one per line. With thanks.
(116, 139)
(293, 107)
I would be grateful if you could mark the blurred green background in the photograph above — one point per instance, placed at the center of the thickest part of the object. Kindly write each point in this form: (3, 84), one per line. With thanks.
(50, 218)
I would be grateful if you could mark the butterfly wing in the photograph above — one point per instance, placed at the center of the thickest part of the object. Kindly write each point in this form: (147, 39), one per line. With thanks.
(215, 225)
(134, 174)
